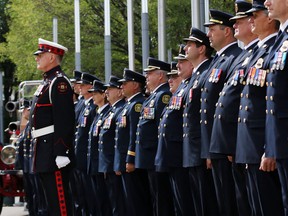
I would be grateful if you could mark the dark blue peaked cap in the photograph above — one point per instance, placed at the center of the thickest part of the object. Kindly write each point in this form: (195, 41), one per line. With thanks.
(77, 75)
(241, 6)
(181, 53)
(197, 35)
(155, 64)
(114, 82)
(87, 78)
(98, 86)
(173, 69)
(129, 75)
(257, 6)
(219, 18)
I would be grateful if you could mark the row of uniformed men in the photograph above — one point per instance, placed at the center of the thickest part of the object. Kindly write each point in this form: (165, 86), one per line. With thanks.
(222, 117)
(217, 118)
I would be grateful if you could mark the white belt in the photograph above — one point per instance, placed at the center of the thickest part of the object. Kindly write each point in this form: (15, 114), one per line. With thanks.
(42, 131)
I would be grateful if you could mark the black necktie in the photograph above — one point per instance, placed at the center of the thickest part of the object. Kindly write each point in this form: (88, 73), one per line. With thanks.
(214, 59)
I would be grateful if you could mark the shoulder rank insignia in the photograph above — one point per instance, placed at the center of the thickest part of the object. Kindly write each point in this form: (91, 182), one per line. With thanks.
(165, 99)
(138, 107)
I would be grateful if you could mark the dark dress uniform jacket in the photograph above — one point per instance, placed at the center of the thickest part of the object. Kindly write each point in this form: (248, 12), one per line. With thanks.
(53, 105)
(212, 86)
(147, 131)
(125, 138)
(23, 155)
(191, 118)
(277, 100)
(92, 151)
(106, 141)
(82, 134)
(251, 121)
(79, 108)
(224, 132)
(170, 143)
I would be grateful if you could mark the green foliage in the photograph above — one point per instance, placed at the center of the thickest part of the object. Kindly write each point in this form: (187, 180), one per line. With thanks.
(32, 19)
(224, 5)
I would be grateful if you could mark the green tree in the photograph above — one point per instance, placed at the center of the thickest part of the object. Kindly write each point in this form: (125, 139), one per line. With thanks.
(31, 19)
(224, 5)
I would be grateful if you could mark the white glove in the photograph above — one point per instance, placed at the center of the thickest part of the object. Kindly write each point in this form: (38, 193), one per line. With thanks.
(62, 161)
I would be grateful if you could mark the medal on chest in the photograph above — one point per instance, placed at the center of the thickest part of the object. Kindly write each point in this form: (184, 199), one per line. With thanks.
(279, 60)
(215, 75)
(107, 122)
(176, 102)
(256, 75)
(123, 120)
(149, 113)
(84, 117)
(237, 77)
(97, 127)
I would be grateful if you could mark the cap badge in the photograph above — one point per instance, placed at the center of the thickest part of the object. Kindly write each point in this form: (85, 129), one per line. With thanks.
(236, 8)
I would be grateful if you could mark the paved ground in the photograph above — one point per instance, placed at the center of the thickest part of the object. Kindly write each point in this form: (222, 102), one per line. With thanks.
(14, 211)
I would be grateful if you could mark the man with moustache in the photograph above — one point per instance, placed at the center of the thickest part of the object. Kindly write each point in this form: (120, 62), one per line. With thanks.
(135, 181)
(147, 136)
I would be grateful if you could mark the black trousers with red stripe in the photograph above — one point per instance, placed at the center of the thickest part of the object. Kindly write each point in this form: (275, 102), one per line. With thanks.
(58, 195)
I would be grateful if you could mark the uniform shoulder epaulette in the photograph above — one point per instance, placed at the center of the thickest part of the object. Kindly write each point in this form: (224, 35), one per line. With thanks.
(62, 86)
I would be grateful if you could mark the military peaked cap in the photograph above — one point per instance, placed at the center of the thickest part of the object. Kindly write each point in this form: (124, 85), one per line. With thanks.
(181, 53)
(114, 82)
(219, 18)
(155, 64)
(198, 36)
(241, 6)
(49, 46)
(98, 86)
(129, 75)
(87, 78)
(257, 6)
